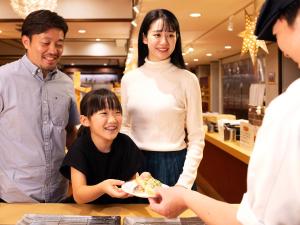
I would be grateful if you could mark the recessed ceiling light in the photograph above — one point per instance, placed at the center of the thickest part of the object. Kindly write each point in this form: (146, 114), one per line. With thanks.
(196, 60)
(208, 54)
(190, 49)
(81, 31)
(136, 9)
(195, 14)
(98, 39)
(133, 23)
(227, 47)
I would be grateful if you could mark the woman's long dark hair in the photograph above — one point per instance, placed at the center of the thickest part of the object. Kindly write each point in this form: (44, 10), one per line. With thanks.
(95, 101)
(170, 24)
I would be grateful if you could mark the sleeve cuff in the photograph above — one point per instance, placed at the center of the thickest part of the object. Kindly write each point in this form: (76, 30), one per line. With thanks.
(245, 214)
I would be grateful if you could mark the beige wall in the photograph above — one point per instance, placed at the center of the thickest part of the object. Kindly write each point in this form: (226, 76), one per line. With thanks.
(271, 67)
(290, 72)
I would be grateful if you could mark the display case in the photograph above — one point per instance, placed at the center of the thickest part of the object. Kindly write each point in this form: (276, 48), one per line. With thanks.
(237, 78)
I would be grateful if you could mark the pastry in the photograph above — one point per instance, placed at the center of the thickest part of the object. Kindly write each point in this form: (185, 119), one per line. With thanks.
(146, 184)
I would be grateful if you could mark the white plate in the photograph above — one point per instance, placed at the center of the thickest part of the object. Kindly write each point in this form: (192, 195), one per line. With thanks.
(129, 186)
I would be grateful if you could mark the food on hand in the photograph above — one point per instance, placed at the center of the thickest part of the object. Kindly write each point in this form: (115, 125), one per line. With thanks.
(146, 184)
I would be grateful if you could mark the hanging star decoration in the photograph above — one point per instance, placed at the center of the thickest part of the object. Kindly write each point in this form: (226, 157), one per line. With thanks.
(250, 42)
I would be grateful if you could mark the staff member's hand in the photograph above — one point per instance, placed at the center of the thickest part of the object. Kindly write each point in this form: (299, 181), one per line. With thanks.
(168, 202)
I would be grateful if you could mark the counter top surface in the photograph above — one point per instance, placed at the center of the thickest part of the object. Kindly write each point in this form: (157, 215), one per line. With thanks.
(11, 213)
(233, 148)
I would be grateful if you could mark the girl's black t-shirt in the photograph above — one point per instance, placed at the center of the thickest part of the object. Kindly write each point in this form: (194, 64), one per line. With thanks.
(122, 163)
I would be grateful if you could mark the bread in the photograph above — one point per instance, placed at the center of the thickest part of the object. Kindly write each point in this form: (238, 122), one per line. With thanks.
(146, 183)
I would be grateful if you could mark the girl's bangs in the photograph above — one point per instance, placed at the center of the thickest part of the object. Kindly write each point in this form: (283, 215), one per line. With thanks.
(104, 102)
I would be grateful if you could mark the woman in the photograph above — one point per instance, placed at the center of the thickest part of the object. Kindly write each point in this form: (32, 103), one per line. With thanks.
(162, 103)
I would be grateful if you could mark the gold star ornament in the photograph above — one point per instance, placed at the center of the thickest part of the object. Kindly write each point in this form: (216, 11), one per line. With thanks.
(250, 42)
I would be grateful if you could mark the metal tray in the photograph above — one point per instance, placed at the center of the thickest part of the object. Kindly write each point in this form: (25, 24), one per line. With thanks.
(40, 219)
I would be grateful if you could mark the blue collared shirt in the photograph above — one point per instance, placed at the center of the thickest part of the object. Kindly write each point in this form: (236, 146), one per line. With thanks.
(34, 112)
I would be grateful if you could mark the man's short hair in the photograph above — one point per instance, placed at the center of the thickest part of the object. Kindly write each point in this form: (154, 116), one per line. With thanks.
(42, 20)
(270, 12)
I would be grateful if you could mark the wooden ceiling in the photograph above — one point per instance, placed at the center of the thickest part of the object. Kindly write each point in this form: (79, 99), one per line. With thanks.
(110, 21)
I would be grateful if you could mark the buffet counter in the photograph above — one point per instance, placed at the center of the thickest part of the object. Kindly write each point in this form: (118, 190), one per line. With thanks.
(222, 173)
(12, 213)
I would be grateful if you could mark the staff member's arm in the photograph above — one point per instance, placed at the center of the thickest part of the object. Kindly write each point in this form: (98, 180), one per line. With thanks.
(171, 202)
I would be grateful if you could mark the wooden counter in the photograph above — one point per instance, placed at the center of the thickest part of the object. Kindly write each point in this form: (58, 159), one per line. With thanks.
(11, 213)
(222, 173)
(233, 148)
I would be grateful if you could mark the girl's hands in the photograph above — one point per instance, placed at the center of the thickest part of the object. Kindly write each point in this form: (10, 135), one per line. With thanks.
(112, 187)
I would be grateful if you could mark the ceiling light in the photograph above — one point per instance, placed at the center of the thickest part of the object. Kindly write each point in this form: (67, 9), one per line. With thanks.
(72, 64)
(186, 64)
(134, 23)
(195, 15)
(190, 49)
(104, 64)
(98, 39)
(24, 7)
(0, 31)
(230, 24)
(196, 60)
(208, 54)
(183, 53)
(81, 31)
(227, 47)
(136, 9)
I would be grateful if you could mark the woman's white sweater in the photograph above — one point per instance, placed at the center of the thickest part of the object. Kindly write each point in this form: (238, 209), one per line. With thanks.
(161, 106)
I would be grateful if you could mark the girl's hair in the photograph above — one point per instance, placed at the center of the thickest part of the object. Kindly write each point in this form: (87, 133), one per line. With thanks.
(170, 23)
(95, 101)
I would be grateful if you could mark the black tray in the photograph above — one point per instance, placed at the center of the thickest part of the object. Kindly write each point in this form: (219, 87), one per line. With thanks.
(162, 221)
(40, 219)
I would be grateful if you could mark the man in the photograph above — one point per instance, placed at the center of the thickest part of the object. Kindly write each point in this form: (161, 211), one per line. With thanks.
(38, 114)
(273, 191)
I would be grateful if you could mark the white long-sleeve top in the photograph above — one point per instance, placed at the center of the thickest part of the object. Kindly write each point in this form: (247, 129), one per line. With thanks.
(273, 183)
(159, 101)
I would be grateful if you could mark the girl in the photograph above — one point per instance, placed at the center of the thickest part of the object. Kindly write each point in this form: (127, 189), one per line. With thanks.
(162, 103)
(101, 158)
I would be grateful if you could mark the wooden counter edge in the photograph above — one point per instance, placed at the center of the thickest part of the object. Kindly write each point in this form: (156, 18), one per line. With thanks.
(233, 148)
(11, 213)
